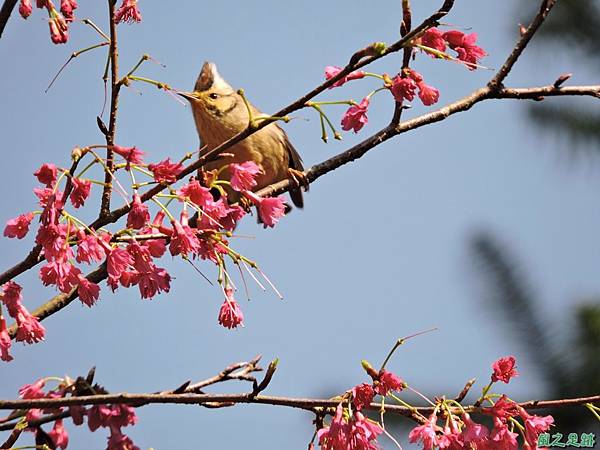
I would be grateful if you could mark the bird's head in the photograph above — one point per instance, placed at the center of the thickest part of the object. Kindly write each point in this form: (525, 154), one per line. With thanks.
(212, 95)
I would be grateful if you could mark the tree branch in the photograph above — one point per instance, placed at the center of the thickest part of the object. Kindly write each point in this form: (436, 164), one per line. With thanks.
(5, 13)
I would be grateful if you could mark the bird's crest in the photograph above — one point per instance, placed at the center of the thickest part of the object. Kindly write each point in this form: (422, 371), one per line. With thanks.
(209, 78)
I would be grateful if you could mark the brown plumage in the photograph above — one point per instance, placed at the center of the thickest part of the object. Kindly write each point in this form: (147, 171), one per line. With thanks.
(220, 113)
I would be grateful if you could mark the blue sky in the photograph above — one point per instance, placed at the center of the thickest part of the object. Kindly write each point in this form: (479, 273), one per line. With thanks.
(380, 250)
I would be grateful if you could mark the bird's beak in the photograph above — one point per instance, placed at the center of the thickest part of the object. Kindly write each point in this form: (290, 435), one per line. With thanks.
(187, 95)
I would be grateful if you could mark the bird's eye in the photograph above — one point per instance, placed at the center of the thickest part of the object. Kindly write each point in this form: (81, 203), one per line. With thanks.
(213, 96)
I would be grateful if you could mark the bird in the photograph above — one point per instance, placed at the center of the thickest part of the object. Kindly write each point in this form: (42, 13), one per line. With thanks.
(220, 112)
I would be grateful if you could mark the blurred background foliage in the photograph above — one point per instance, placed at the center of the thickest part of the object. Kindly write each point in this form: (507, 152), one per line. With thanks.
(573, 26)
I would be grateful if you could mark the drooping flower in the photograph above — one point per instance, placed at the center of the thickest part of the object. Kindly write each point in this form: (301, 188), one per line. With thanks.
(332, 71)
(230, 314)
(434, 38)
(131, 154)
(5, 341)
(33, 390)
(60, 272)
(243, 176)
(534, 426)
(138, 215)
(183, 239)
(67, 7)
(88, 291)
(473, 432)
(504, 369)
(128, 12)
(165, 171)
(465, 47)
(428, 94)
(270, 209)
(198, 194)
(355, 433)
(25, 8)
(59, 435)
(120, 441)
(503, 409)
(501, 438)
(356, 116)
(403, 88)
(117, 262)
(46, 174)
(426, 433)
(19, 226)
(91, 247)
(77, 412)
(362, 395)
(387, 382)
(80, 192)
(59, 32)
(12, 297)
(113, 416)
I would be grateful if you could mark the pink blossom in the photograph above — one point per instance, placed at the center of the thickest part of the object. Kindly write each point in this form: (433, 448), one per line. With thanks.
(111, 416)
(270, 209)
(5, 341)
(362, 395)
(434, 38)
(80, 192)
(534, 426)
(428, 94)
(61, 273)
(503, 409)
(33, 414)
(464, 46)
(19, 226)
(388, 381)
(88, 291)
(450, 438)
(473, 432)
(501, 438)
(117, 262)
(91, 247)
(45, 194)
(138, 214)
(357, 433)
(46, 174)
(12, 297)
(59, 435)
(34, 390)
(356, 116)
(119, 441)
(230, 314)
(128, 12)
(58, 30)
(165, 171)
(426, 434)
(131, 154)
(153, 281)
(53, 238)
(67, 7)
(332, 71)
(243, 176)
(504, 369)
(184, 239)
(25, 8)
(197, 194)
(403, 88)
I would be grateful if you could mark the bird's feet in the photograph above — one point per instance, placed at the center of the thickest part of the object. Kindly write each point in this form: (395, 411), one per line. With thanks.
(299, 178)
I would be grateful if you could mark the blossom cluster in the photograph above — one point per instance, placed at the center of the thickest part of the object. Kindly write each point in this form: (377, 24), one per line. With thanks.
(59, 19)
(408, 84)
(449, 426)
(130, 254)
(349, 428)
(113, 417)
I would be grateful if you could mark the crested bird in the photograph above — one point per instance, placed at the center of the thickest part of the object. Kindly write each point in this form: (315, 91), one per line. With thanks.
(220, 112)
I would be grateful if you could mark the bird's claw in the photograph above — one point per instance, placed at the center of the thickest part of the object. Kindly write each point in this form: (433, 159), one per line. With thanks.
(299, 178)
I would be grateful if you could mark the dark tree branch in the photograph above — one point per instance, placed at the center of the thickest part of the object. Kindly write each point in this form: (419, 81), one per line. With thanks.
(5, 13)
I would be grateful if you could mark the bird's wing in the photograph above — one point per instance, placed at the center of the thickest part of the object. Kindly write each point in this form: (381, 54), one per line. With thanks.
(294, 162)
